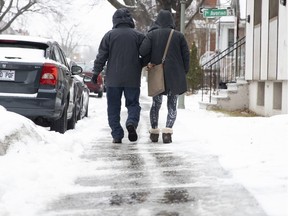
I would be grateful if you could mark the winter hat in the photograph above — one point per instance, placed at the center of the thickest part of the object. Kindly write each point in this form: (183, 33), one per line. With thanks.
(165, 19)
(122, 16)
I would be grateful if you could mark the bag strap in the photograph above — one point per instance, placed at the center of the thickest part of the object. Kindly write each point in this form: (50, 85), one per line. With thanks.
(167, 46)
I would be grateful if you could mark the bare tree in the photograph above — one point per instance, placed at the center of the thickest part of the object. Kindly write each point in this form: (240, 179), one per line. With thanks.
(69, 39)
(144, 11)
(67, 33)
(10, 10)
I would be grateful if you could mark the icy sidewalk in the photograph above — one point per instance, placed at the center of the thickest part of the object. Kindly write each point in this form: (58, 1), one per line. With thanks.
(147, 179)
(150, 179)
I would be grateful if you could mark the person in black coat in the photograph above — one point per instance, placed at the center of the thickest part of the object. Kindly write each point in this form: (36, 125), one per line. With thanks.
(176, 66)
(120, 49)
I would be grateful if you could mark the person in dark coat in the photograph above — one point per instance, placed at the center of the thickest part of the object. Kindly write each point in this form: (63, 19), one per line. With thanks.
(120, 49)
(176, 66)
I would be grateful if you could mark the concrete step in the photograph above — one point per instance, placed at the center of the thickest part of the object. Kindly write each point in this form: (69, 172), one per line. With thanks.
(232, 98)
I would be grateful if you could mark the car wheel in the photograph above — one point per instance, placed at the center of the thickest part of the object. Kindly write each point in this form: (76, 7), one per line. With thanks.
(79, 116)
(100, 94)
(72, 121)
(60, 125)
(86, 113)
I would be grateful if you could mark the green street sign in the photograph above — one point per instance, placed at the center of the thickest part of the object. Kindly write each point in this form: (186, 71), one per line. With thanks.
(210, 13)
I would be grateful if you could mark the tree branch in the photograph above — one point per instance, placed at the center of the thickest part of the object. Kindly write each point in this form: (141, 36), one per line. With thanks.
(118, 5)
(196, 12)
(7, 10)
(15, 8)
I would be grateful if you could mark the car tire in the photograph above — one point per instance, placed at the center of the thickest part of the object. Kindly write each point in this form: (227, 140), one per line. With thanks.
(100, 94)
(72, 122)
(86, 114)
(60, 125)
(79, 116)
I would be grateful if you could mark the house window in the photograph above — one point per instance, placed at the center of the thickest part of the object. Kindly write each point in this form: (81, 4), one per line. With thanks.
(260, 93)
(277, 95)
(230, 39)
(258, 11)
(273, 8)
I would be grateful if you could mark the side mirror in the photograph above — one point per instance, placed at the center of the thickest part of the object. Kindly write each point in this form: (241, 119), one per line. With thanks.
(87, 79)
(76, 70)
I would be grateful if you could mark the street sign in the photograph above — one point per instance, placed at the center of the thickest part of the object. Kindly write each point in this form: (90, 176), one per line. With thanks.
(213, 12)
(201, 9)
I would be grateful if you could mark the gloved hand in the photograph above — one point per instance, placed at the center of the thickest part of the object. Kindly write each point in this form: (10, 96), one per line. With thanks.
(94, 78)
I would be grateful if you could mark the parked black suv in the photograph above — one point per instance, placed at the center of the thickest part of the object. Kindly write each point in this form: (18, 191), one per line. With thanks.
(37, 82)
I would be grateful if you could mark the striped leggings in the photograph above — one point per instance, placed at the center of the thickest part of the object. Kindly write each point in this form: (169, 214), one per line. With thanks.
(171, 106)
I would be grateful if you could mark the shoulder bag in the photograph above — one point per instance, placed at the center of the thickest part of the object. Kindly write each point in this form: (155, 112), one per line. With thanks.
(156, 83)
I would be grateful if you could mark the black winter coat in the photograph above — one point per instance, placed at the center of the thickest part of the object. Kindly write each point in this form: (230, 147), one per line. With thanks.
(120, 48)
(176, 65)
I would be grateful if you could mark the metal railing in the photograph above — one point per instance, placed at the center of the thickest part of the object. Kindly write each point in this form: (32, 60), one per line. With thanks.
(223, 67)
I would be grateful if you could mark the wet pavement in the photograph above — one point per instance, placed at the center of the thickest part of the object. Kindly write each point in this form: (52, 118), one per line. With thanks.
(148, 179)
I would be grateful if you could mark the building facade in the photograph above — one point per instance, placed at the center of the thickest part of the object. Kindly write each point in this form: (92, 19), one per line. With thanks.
(267, 56)
(202, 31)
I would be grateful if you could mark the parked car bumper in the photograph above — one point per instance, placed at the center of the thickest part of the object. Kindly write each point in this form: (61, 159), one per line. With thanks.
(33, 107)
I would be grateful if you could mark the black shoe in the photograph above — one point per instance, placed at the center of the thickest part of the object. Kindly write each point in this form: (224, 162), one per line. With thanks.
(166, 137)
(115, 140)
(132, 134)
(154, 137)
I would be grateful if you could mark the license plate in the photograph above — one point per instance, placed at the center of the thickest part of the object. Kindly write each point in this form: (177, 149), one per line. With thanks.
(7, 75)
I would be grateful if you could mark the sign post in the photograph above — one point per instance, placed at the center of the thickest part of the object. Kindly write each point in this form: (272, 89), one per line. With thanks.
(181, 99)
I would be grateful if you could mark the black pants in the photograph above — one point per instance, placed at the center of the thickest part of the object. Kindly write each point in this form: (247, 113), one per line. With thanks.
(172, 110)
(114, 96)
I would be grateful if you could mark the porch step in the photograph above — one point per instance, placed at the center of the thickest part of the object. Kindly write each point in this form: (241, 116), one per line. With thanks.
(235, 97)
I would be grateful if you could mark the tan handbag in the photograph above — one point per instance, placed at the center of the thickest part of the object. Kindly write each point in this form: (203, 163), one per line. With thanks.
(156, 83)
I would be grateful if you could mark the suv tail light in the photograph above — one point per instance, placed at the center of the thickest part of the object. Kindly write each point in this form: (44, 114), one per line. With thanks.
(49, 74)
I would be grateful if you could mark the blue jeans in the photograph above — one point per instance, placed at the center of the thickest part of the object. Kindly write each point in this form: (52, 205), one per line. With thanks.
(114, 96)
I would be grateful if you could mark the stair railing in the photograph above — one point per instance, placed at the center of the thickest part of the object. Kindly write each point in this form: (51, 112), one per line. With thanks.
(223, 67)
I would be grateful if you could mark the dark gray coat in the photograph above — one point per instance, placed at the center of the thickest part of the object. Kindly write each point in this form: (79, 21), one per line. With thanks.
(176, 65)
(120, 49)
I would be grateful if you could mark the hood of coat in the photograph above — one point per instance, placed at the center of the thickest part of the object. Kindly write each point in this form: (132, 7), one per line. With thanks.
(164, 20)
(153, 26)
(122, 16)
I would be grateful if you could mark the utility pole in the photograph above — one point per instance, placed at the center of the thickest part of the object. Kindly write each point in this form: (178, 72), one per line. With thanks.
(181, 101)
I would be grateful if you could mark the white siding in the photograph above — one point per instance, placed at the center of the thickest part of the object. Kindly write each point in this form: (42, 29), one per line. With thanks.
(283, 43)
(264, 40)
(267, 56)
(257, 53)
(273, 47)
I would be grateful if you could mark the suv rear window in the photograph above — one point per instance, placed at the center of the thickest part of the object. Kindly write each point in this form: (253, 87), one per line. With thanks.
(21, 50)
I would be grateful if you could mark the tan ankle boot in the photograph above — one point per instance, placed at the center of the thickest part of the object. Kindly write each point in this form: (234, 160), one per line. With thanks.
(167, 135)
(154, 134)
